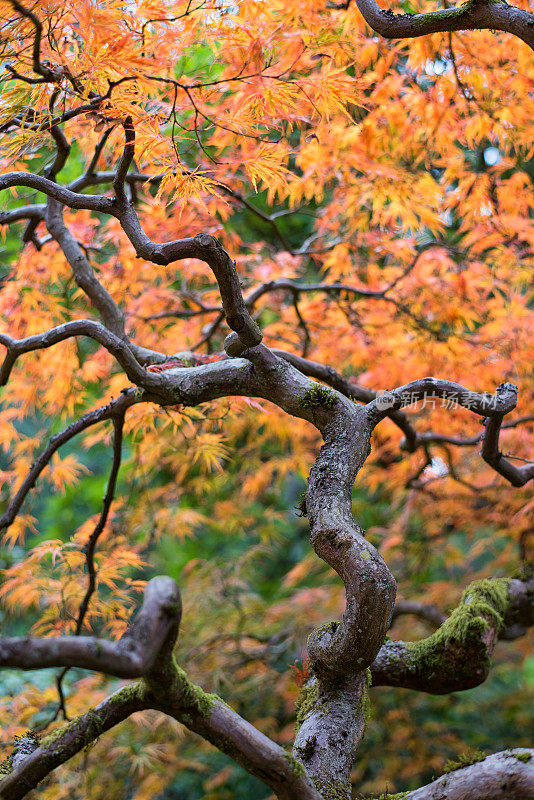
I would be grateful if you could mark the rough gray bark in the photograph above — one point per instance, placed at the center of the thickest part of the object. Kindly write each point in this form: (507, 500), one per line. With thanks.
(471, 15)
(502, 776)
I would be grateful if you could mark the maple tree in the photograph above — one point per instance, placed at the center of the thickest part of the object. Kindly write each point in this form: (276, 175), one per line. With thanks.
(367, 206)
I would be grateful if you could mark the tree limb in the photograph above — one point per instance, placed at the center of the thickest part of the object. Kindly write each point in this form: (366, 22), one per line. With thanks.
(471, 15)
(62, 745)
(493, 407)
(457, 656)
(131, 657)
(118, 347)
(501, 776)
(426, 612)
(39, 68)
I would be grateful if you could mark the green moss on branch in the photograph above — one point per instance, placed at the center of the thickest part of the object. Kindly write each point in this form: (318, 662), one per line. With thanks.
(318, 395)
(483, 604)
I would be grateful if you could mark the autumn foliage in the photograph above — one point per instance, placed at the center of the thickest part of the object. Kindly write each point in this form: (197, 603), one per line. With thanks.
(377, 199)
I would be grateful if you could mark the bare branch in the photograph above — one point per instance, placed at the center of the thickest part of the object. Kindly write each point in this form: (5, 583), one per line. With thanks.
(84, 275)
(118, 347)
(493, 407)
(125, 162)
(429, 613)
(62, 153)
(471, 15)
(118, 424)
(491, 454)
(34, 212)
(60, 746)
(501, 776)
(208, 716)
(59, 193)
(488, 405)
(202, 246)
(430, 437)
(131, 657)
(351, 390)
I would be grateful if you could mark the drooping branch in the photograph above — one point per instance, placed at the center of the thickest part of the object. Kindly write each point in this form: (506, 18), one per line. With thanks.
(132, 656)
(517, 475)
(412, 438)
(458, 655)
(45, 72)
(208, 716)
(125, 161)
(471, 15)
(90, 547)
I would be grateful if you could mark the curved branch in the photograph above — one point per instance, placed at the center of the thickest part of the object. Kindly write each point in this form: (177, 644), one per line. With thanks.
(501, 776)
(430, 437)
(84, 275)
(59, 193)
(62, 153)
(125, 162)
(491, 406)
(62, 745)
(202, 246)
(208, 716)
(457, 656)
(146, 649)
(351, 390)
(118, 347)
(32, 212)
(132, 656)
(426, 612)
(39, 68)
(429, 389)
(491, 454)
(471, 15)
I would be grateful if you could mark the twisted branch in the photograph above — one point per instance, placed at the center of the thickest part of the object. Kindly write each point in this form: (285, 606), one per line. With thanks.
(471, 15)
(130, 657)
(457, 656)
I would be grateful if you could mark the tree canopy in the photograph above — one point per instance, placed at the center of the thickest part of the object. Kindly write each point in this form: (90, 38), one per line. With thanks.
(266, 272)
